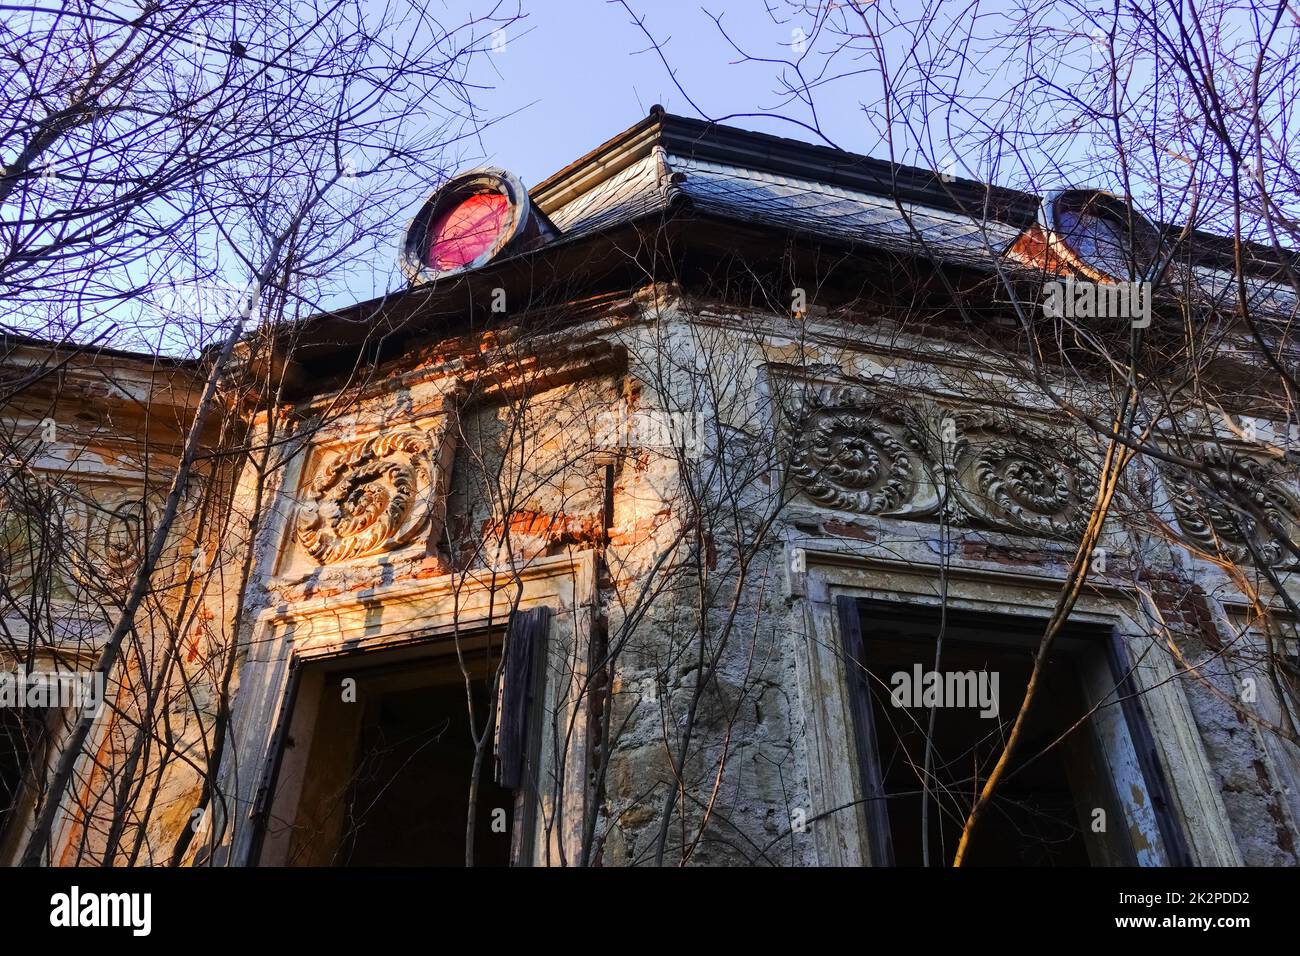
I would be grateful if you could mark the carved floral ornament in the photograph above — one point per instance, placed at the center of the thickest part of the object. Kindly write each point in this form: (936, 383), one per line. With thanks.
(1013, 475)
(118, 530)
(1225, 523)
(374, 495)
(852, 452)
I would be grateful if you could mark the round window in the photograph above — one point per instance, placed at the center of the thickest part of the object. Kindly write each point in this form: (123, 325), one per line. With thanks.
(474, 218)
(465, 230)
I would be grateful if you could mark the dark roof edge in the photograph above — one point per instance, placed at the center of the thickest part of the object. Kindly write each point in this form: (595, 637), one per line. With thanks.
(610, 157)
(791, 157)
(19, 340)
(765, 152)
(711, 142)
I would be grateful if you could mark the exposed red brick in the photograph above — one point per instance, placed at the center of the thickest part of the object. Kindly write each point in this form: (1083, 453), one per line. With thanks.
(1185, 604)
(554, 528)
(848, 529)
(1031, 247)
(640, 531)
(431, 567)
(1002, 554)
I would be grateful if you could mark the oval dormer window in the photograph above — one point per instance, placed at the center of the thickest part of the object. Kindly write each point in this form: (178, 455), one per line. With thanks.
(465, 230)
(1095, 227)
(474, 218)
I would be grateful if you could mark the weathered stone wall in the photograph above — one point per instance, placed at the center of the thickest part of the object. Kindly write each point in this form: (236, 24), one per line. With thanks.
(733, 447)
(91, 443)
(747, 766)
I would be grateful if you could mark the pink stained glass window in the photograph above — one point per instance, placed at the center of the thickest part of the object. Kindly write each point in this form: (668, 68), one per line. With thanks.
(463, 232)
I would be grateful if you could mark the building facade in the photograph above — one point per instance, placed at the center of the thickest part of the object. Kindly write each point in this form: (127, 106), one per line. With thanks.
(707, 503)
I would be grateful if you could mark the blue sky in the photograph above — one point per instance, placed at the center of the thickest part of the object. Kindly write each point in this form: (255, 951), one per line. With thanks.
(572, 77)
(573, 73)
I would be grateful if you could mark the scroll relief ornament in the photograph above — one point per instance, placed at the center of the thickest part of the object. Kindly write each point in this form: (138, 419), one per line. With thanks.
(1011, 475)
(113, 529)
(1224, 522)
(375, 495)
(120, 536)
(852, 452)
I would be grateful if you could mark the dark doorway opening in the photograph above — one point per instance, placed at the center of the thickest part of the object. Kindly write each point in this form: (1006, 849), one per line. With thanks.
(378, 761)
(15, 756)
(409, 802)
(24, 740)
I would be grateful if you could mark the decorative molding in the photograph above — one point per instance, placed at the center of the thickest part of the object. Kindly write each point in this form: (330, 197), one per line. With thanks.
(851, 452)
(833, 569)
(1216, 525)
(1010, 475)
(420, 612)
(118, 535)
(374, 495)
(107, 533)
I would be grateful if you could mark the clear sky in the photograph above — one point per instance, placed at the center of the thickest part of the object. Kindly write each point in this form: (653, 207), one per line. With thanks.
(573, 73)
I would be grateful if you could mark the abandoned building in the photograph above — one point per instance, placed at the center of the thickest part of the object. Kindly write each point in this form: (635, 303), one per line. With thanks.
(631, 531)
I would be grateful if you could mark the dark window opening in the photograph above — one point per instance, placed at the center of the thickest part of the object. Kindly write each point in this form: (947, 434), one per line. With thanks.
(1058, 787)
(24, 733)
